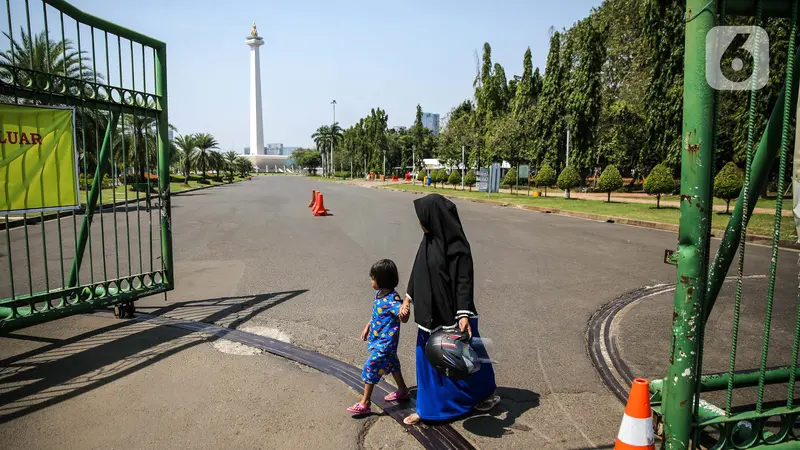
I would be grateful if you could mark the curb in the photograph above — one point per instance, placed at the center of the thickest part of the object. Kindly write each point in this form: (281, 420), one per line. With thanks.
(11, 224)
(764, 240)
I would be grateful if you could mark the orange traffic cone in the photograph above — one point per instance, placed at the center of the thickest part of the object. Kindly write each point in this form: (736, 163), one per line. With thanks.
(319, 206)
(636, 430)
(313, 198)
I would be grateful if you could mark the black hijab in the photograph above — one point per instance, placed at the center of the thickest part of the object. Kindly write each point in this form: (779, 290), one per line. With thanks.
(441, 284)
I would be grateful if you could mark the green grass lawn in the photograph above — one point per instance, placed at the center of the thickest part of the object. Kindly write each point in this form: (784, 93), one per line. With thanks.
(768, 203)
(109, 196)
(760, 224)
(118, 194)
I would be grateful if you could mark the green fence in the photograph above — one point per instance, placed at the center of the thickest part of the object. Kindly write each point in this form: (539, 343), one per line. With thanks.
(118, 247)
(690, 420)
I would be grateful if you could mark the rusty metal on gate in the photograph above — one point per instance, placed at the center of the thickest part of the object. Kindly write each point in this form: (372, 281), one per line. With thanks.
(118, 247)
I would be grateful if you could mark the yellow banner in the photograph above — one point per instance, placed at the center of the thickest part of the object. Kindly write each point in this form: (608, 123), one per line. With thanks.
(38, 162)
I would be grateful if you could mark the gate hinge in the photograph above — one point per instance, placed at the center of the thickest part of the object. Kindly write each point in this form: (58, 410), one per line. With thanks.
(671, 257)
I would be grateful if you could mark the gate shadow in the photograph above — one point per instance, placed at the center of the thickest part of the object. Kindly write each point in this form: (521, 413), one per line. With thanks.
(66, 368)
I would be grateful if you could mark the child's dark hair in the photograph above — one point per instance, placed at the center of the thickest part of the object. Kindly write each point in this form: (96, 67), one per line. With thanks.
(384, 272)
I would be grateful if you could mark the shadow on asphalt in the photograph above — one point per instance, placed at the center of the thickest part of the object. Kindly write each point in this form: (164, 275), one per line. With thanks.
(229, 312)
(501, 420)
(65, 368)
(191, 194)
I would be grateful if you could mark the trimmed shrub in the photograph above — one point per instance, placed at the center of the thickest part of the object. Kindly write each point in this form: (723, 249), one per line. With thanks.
(610, 180)
(728, 184)
(422, 176)
(510, 179)
(569, 179)
(454, 178)
(659, 182)
(470, 179)
(440, 176)
(545, 178)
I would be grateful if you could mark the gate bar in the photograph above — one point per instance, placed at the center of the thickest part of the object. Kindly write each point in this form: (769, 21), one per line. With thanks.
(105, 25)
(771, 8)
(719, 381)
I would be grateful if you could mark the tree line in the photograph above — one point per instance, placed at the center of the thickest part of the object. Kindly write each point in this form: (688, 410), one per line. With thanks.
(614, 80)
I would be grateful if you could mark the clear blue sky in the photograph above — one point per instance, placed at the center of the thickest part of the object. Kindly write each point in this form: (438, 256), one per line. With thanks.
(362, 53)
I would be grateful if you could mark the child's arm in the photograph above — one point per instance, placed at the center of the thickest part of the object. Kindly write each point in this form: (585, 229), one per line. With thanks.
(365, 333)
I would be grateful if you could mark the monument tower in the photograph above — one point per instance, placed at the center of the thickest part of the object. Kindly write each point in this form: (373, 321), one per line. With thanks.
(256, 124)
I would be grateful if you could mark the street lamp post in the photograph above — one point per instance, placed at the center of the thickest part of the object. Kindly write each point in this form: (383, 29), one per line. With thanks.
(333, 138)
(462, 167)
(566, 191)
(384, 165)
(413, 165)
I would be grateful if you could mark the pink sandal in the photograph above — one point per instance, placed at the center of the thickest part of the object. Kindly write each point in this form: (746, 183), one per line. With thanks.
(395, 397)
(359, 409)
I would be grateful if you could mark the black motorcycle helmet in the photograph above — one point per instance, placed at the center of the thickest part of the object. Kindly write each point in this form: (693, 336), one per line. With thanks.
(450, 353)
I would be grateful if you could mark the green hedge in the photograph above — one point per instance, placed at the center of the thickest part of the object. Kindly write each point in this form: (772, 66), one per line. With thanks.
(86, 182)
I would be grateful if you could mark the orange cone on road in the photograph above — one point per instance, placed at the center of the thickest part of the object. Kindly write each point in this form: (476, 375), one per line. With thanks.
(319, 206)
(636, 430)
(313, 198)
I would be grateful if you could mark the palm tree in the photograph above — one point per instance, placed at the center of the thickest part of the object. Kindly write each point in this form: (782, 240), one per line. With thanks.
(186, 147)
(244, 166)
(40, 54)
(320, 138)
(335, 138)
(203, 158)
(326, 138)
(231, 159)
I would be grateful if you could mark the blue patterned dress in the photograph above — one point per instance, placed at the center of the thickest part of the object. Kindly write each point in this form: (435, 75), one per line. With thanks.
(384, 334)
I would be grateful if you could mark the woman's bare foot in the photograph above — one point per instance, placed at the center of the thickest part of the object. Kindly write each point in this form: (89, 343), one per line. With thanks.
(412, 419)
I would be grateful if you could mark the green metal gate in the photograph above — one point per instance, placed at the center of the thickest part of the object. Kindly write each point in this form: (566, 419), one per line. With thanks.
(690, 421)
(119, 247)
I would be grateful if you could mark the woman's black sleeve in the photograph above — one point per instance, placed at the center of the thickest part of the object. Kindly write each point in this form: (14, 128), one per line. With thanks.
(465, 303)
(410, 286)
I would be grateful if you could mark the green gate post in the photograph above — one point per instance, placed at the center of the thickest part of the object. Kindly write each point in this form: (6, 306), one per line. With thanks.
(163, 166)
(696, 179)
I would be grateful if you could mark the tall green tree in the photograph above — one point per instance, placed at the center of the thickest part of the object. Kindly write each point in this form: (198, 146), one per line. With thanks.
(500, 91)
(626, 71)
(664, 40)
(526, 93)
(621, 140)
(584, 101)
(549, 130)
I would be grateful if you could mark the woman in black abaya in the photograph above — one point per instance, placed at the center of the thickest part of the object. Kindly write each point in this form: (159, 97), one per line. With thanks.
(441, 290)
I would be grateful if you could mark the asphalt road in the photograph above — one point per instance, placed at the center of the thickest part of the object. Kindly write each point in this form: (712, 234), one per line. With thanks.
(539, 278)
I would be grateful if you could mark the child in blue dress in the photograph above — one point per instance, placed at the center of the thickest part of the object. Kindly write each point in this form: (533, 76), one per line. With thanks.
(383, 333)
